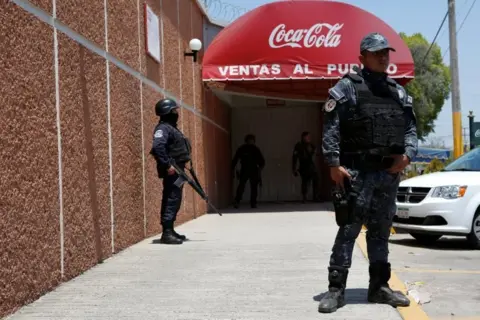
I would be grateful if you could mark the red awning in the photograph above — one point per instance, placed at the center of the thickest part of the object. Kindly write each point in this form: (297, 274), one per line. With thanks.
(301, 39)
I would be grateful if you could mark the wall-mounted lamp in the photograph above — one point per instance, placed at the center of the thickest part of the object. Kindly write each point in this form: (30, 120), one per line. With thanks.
(195, 45)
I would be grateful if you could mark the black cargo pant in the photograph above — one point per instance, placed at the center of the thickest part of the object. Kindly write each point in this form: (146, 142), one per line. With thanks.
(171, 199)
(254, 178)
(309, 178)
(375, 206)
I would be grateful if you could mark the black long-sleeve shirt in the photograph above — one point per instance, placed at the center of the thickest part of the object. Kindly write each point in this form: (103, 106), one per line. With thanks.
(250, 157)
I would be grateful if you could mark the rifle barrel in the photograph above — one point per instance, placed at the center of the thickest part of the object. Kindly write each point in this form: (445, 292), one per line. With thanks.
(195, 184)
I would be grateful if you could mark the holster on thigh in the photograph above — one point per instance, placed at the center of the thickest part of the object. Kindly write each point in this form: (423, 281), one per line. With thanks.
(344, 204)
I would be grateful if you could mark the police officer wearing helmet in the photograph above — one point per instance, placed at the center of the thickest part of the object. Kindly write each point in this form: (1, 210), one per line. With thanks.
(369, 138)
(169, 146)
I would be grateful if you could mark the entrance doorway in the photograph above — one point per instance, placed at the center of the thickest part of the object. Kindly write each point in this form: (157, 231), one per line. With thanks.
(277, 129)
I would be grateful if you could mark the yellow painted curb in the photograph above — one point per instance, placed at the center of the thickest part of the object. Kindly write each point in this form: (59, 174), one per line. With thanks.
(413, 312)
(392, 230)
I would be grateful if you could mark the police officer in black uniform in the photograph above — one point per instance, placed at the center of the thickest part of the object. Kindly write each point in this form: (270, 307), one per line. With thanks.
(369, 137)
(252, 163)
(170, 146)
(304, 153)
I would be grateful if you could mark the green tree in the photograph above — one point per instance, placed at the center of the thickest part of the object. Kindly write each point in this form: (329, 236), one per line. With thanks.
(434, 166)
(431, 86)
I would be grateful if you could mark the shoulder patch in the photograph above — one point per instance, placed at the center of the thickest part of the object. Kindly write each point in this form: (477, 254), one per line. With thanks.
(401, 94)
(409, 100)
(158, 133)
(329, 105)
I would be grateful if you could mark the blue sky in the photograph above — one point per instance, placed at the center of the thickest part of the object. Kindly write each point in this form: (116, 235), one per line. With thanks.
(425, 16)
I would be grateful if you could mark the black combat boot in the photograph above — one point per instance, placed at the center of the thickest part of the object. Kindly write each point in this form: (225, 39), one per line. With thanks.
(168, 235)
(379, 291)
(179, 236)
(335, 297)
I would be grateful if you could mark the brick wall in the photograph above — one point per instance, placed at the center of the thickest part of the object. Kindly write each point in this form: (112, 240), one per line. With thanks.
(78, 184)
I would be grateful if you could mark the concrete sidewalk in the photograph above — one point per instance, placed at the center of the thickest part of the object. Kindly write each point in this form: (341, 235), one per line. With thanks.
(242, 266)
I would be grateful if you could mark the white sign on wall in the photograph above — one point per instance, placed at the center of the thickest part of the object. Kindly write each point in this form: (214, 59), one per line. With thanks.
(152, 34)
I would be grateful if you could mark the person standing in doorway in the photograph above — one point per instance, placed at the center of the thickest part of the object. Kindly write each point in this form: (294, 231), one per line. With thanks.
(252, 163)
(369, 138)
(304, 153)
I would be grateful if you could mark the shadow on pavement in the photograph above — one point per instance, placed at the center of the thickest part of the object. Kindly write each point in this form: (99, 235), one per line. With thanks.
(278, 207)
(352, 296)
(157, 241)
(447, 243)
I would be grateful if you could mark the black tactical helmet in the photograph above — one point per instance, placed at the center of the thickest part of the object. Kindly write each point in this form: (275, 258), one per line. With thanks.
(165, 106)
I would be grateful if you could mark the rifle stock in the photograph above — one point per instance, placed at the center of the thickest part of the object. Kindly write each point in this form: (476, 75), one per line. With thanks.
(194, 183)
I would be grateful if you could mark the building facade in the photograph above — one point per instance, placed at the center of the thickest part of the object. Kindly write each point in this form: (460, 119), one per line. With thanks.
(78, 91)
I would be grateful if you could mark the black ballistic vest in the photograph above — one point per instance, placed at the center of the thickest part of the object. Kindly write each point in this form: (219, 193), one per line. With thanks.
(306, 156)
(178, 147)
(376, 124)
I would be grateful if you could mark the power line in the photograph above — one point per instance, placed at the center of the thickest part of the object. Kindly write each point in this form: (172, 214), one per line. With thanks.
(435, 38)
(461, 25)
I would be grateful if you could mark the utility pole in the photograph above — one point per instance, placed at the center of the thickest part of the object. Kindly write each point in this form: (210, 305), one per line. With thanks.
(456, 107)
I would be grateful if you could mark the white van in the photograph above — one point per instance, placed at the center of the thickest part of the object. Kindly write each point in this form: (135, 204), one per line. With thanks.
(442, 203)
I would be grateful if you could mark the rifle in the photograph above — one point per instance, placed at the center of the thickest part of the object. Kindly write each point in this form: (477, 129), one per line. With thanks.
(194, 183)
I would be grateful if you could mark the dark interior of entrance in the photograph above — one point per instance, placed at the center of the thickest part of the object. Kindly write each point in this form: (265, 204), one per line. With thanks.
(277, 129)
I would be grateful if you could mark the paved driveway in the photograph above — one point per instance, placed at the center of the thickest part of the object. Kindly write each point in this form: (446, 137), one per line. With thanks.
(448, 271)
(264, 265)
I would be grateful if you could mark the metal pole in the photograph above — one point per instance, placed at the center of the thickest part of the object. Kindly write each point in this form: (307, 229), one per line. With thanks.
(456, 107)
(470, 125)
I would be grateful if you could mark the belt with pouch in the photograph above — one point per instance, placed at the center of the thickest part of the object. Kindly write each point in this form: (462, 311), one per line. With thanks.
(366, 161)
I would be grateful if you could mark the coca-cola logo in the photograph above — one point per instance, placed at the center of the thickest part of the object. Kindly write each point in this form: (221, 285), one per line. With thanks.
(318, 35)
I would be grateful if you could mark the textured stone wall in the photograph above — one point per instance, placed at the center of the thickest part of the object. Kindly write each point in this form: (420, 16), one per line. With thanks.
(77, 182)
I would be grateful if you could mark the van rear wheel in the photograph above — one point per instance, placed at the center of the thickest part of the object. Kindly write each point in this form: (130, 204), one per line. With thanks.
(426, 238)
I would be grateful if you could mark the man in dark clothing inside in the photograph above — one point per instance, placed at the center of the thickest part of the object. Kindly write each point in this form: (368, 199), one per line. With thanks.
(252, 163)
(169, 147)
(304, 152)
